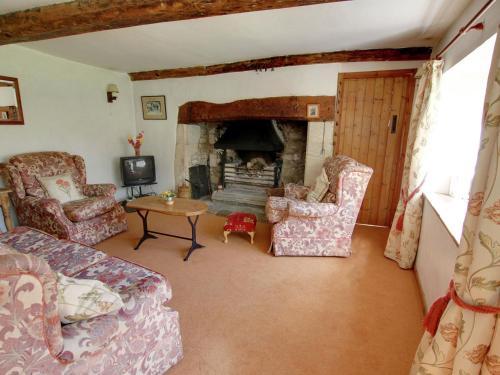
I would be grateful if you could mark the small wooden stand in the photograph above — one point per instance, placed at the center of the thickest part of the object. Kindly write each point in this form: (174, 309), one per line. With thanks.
(5, 205)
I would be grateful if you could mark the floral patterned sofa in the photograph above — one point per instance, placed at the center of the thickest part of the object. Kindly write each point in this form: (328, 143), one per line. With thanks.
(325, 228)
(87, 221)
(141, 338)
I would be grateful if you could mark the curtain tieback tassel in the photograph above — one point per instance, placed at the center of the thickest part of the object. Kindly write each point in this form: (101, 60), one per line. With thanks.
(433, 317)
(406, 198)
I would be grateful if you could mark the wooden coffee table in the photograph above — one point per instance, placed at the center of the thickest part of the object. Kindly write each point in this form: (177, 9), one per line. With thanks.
(182, 207)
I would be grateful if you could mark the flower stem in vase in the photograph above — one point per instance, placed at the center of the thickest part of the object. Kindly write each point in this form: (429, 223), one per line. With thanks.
(137, 151)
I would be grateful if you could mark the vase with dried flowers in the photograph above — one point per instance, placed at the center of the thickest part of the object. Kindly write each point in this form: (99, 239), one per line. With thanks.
(137, 142)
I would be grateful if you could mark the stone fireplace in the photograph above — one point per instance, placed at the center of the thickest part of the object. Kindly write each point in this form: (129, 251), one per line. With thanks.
(244, 156)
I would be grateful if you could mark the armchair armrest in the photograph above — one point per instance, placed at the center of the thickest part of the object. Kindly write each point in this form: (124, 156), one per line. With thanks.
(294, 191)
(96, 190)
(49, 205)
(275, 192)
(45, 214)
(311, 210)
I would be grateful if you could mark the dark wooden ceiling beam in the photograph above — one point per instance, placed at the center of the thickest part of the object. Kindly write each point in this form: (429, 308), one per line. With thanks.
(84, 16)
(387, 54)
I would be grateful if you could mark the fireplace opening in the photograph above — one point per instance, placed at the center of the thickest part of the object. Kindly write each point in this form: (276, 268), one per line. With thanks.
(251, 154)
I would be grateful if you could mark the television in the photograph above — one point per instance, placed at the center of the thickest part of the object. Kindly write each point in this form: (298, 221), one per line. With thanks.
(138, 170)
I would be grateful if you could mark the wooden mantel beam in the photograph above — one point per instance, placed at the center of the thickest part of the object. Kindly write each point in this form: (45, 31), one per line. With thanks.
(387, 54)
(277, 108)
(84, 16)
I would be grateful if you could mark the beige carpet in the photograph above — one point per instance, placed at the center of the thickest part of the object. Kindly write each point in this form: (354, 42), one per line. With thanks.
(244, 311)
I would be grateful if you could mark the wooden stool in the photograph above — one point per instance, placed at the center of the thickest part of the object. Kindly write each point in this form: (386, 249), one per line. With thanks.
(240, 222)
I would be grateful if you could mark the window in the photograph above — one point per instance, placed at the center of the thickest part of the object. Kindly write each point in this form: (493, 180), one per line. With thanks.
(456, 142)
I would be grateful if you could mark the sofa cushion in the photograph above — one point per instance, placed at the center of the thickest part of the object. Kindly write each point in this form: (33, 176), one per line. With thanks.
(61, 187)
(83, 299)
(88, 208)
(63, 256)
(25, 239)
(128, 279)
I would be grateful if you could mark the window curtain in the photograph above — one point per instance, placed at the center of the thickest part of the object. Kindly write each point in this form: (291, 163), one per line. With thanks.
(403, 238)
(462, 329)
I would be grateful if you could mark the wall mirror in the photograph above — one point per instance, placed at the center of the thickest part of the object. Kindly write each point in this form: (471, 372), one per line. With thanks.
(11, 109)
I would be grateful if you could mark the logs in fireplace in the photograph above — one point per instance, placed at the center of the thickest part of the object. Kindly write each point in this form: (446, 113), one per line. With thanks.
(254, 158)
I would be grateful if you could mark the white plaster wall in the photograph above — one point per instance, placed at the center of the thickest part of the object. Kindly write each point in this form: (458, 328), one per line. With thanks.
(65, 109)
(299, 80)
(319, 147)
(474, 38)
(436, 256)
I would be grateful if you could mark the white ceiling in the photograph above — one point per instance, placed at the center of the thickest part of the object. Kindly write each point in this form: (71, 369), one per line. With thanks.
(7, 6)
(358, 24)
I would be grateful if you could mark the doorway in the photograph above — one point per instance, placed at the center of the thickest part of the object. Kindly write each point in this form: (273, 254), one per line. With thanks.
(373, 115)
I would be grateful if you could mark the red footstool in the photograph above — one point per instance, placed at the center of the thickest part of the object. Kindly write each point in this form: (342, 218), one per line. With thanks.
(240, 222)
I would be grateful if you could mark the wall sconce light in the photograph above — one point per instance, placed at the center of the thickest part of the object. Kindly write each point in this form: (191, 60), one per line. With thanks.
(112, 91)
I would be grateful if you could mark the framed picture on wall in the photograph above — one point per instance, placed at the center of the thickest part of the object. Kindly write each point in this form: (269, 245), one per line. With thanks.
(154, 107)
(313, 110)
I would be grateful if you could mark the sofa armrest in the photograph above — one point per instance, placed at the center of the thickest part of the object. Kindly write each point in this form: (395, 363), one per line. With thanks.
(311, 210)
(294, 191)
(29, 304)
(96, 190)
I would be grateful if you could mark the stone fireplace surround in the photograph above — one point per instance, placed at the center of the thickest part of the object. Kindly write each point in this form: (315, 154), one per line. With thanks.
(306, 143)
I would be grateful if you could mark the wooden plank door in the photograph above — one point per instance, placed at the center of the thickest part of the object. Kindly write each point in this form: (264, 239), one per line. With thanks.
(373, 114)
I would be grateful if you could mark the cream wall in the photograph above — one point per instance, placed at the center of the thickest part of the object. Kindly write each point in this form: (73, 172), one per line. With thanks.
(65, 109)
(437, 251)
(436, 256)
(222, 88)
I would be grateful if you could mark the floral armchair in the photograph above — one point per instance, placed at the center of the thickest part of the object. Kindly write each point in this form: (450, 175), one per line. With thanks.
(325, 228)
(87, 221)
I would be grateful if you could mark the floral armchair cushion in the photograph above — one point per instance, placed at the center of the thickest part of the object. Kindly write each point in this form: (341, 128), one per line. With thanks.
(61, 187)
(88, 208)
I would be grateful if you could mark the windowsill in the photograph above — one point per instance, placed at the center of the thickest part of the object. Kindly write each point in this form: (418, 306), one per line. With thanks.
(451, 211)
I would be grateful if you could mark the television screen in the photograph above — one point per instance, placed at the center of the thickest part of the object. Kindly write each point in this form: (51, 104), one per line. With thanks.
(138, 170)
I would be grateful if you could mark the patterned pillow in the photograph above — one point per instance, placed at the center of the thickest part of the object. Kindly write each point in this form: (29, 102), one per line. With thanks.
(82, 299)
(320, 188)
(61, 187)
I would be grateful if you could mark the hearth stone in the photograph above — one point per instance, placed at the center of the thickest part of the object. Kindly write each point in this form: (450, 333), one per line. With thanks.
(241, 194)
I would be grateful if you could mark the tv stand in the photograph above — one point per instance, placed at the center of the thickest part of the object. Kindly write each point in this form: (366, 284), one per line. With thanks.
(135, 191)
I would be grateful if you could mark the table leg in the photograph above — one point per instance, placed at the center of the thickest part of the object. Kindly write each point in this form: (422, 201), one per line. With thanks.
(194, 245)
(146, 233)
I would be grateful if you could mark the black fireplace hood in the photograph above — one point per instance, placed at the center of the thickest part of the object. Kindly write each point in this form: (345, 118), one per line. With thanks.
(250, 135)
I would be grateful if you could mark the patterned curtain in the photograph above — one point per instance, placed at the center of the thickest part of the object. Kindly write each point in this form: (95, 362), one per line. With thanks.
(405, 231)
(462, 329)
